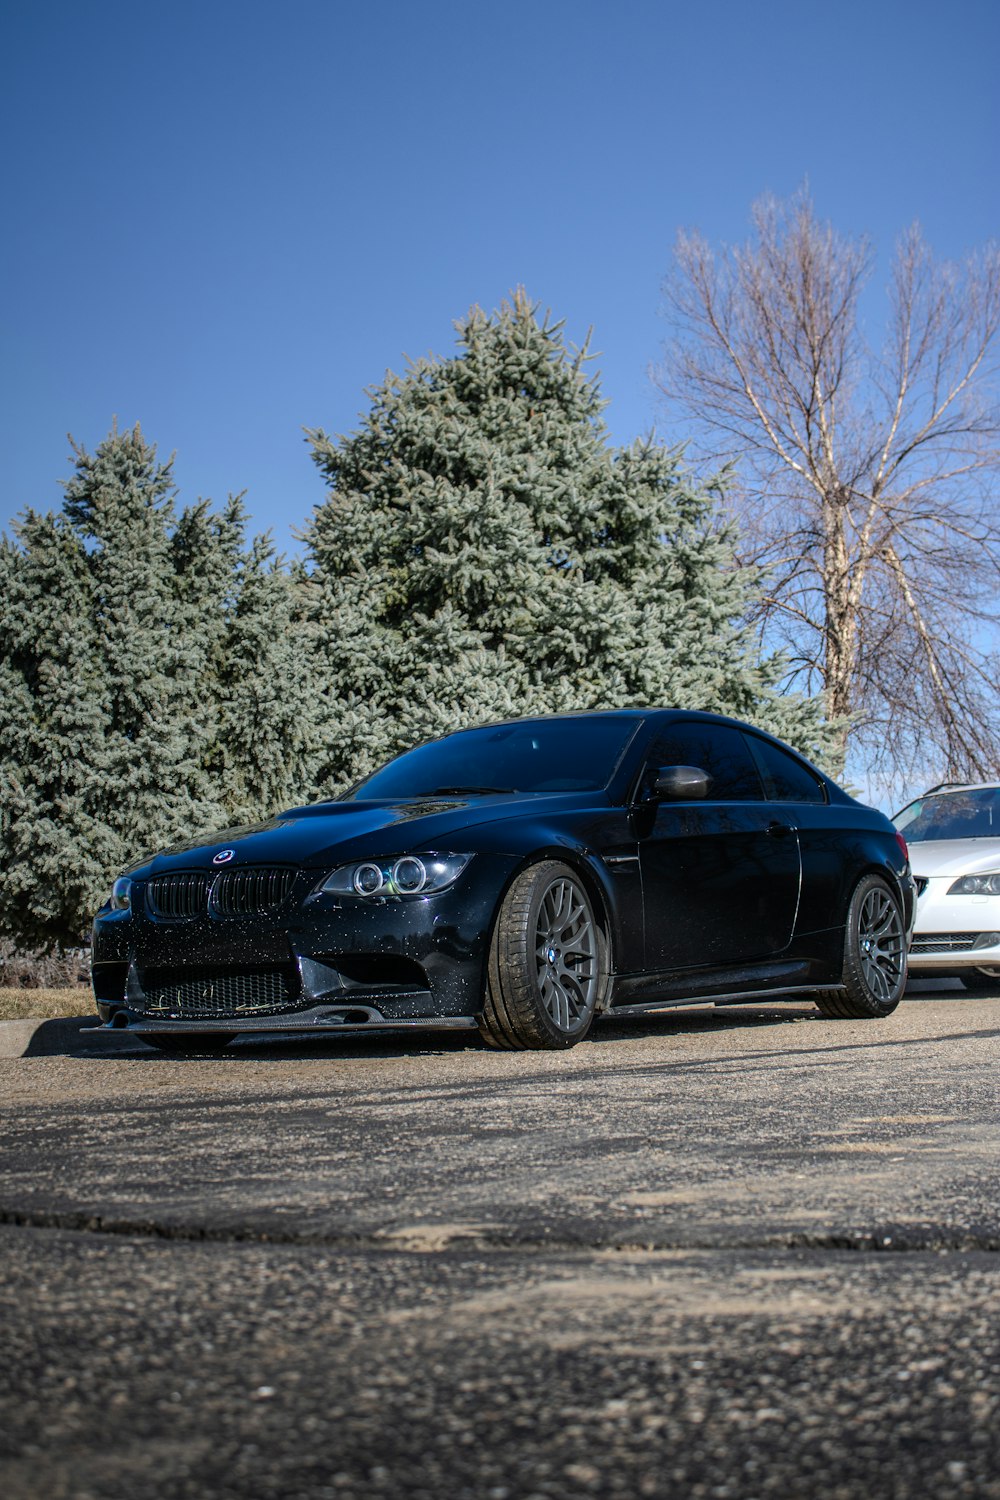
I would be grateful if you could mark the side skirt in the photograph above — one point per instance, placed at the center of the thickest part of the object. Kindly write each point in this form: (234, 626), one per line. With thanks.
(679, 985)
(733, 997)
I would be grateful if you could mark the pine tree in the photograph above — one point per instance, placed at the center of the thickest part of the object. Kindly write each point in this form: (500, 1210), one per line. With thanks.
(153, 685)
(57, 846)
(207, 551)
(266, 696)
(485, 551)
(120, 503)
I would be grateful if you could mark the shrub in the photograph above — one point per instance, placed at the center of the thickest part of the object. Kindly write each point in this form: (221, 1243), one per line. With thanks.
(41, 969)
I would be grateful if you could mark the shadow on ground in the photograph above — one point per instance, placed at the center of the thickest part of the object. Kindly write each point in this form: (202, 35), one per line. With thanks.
(76, 1037)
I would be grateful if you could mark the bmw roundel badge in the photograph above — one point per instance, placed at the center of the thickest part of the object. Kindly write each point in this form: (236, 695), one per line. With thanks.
(223, 857)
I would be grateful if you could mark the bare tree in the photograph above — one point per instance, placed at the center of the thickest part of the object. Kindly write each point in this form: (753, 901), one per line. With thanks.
(863, 478)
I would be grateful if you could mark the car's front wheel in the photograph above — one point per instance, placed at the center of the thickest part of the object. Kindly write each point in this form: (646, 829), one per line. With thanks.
(874, 969)
(548, 963)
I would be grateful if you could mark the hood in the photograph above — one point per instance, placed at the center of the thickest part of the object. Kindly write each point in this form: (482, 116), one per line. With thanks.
(955, 856)
(330, 833)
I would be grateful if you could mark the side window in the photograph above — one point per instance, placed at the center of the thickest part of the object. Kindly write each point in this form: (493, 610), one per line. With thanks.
(717, 749)
(785, 778)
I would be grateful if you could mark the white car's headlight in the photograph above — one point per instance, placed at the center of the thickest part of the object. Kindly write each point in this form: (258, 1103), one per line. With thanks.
(400, 875)
(121, 894)
(976, 885)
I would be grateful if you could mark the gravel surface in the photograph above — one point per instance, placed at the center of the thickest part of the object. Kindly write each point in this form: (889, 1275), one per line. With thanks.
(722, 1253)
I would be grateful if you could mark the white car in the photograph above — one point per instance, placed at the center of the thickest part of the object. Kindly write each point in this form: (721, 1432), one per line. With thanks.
(953, 833)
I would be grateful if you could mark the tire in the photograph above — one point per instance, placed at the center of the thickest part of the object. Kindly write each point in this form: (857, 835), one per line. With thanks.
(191, 1045)
(548, 963)
(981, 981)
(874, 972)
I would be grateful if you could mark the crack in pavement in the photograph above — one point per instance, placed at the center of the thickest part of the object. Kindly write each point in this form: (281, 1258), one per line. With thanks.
(424, 1239)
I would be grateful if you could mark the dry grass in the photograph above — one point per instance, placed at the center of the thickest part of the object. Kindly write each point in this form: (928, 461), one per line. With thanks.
(45, 1005)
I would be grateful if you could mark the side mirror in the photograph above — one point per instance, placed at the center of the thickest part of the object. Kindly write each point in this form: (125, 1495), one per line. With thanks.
(680, 784)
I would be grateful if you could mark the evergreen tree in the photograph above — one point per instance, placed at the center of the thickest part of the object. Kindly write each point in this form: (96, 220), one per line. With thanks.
(246, 637)
(120, 503)
(485, 551)
(267, 734)
(153, 685)
(206, 557)
(57, 844)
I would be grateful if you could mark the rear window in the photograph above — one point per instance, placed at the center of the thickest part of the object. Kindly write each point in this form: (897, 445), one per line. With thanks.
(785, 778)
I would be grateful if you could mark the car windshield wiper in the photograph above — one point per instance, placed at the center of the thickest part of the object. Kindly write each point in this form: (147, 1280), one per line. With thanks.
(462, 791)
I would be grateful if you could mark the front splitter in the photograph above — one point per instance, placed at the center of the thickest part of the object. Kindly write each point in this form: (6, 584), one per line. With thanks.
(355, 1018)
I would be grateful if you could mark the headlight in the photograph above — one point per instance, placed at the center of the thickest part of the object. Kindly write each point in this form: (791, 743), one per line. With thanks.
(400, 875)
(976, 885)
(121, 894)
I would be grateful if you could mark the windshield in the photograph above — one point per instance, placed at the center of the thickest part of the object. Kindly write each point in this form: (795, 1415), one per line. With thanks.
(952, 815)
(538, 755)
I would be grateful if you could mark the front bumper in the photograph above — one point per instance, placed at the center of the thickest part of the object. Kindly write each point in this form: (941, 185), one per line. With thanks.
(326, 961)
(954, 932)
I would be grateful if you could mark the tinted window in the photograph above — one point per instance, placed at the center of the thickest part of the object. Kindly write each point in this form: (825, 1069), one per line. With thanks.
(714, 748)
(539, 755)
(785, 778)
(952, 815)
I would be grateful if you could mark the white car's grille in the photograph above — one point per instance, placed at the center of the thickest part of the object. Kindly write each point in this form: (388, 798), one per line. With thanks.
(950, 942)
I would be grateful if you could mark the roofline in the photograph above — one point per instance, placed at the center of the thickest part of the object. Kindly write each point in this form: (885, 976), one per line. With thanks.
(958, 786)
(700, 714)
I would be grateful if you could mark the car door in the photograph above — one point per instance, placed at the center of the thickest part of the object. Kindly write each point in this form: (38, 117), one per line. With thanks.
(797, 795)
(720, 874)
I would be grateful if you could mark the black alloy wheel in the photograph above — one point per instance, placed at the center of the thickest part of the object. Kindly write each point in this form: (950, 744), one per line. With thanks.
(548, 965)
(874, 972)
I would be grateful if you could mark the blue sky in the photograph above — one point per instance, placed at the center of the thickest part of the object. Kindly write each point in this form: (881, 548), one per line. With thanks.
(226, 220)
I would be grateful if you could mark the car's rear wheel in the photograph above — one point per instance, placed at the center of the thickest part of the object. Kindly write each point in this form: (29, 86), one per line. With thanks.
(548, 962)
(191, 1045)
(981, 981)
(874, 969)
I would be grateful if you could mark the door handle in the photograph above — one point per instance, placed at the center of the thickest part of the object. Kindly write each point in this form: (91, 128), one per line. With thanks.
(779, 830)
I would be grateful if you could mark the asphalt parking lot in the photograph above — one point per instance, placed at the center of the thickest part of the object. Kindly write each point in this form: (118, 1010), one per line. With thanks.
(712, 1253)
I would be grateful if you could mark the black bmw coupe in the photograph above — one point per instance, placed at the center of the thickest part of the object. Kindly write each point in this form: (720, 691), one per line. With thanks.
(521, 878)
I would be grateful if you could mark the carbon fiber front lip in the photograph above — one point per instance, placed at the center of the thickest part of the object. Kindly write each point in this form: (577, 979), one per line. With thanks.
(318, 1018)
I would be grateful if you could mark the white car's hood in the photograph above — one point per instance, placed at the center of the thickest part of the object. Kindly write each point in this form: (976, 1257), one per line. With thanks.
(955, 856)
